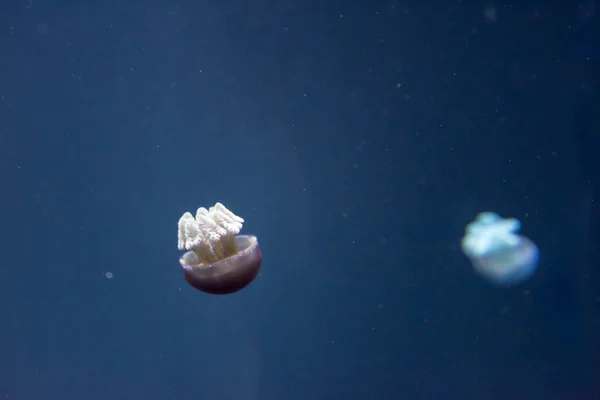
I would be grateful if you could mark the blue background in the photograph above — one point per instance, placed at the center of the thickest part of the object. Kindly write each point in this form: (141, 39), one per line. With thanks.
(357, 139)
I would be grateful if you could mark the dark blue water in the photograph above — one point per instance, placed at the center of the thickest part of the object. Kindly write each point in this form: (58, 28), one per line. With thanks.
(357, 139)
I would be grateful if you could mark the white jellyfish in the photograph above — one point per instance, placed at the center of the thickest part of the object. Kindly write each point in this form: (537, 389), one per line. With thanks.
(497, 252)
(218, 260)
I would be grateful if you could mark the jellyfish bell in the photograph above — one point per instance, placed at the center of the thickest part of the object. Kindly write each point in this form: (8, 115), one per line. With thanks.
(497, 252)
(225, 276)
(218, 260)
(509, 266)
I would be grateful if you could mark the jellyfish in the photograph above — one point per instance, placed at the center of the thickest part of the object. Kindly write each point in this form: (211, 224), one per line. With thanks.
(217, 259)
(497, 252)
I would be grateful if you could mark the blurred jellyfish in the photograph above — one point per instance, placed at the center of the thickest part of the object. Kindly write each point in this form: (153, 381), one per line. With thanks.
(108, 275)
(497, 252)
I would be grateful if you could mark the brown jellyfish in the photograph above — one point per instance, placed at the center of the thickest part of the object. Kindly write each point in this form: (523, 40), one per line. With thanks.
(218, 260)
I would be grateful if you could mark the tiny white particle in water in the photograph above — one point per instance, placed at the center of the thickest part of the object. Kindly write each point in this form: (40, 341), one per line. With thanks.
(108, 275)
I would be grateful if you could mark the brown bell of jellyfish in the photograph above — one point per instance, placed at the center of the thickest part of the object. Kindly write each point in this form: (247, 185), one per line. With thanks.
(218, 260)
